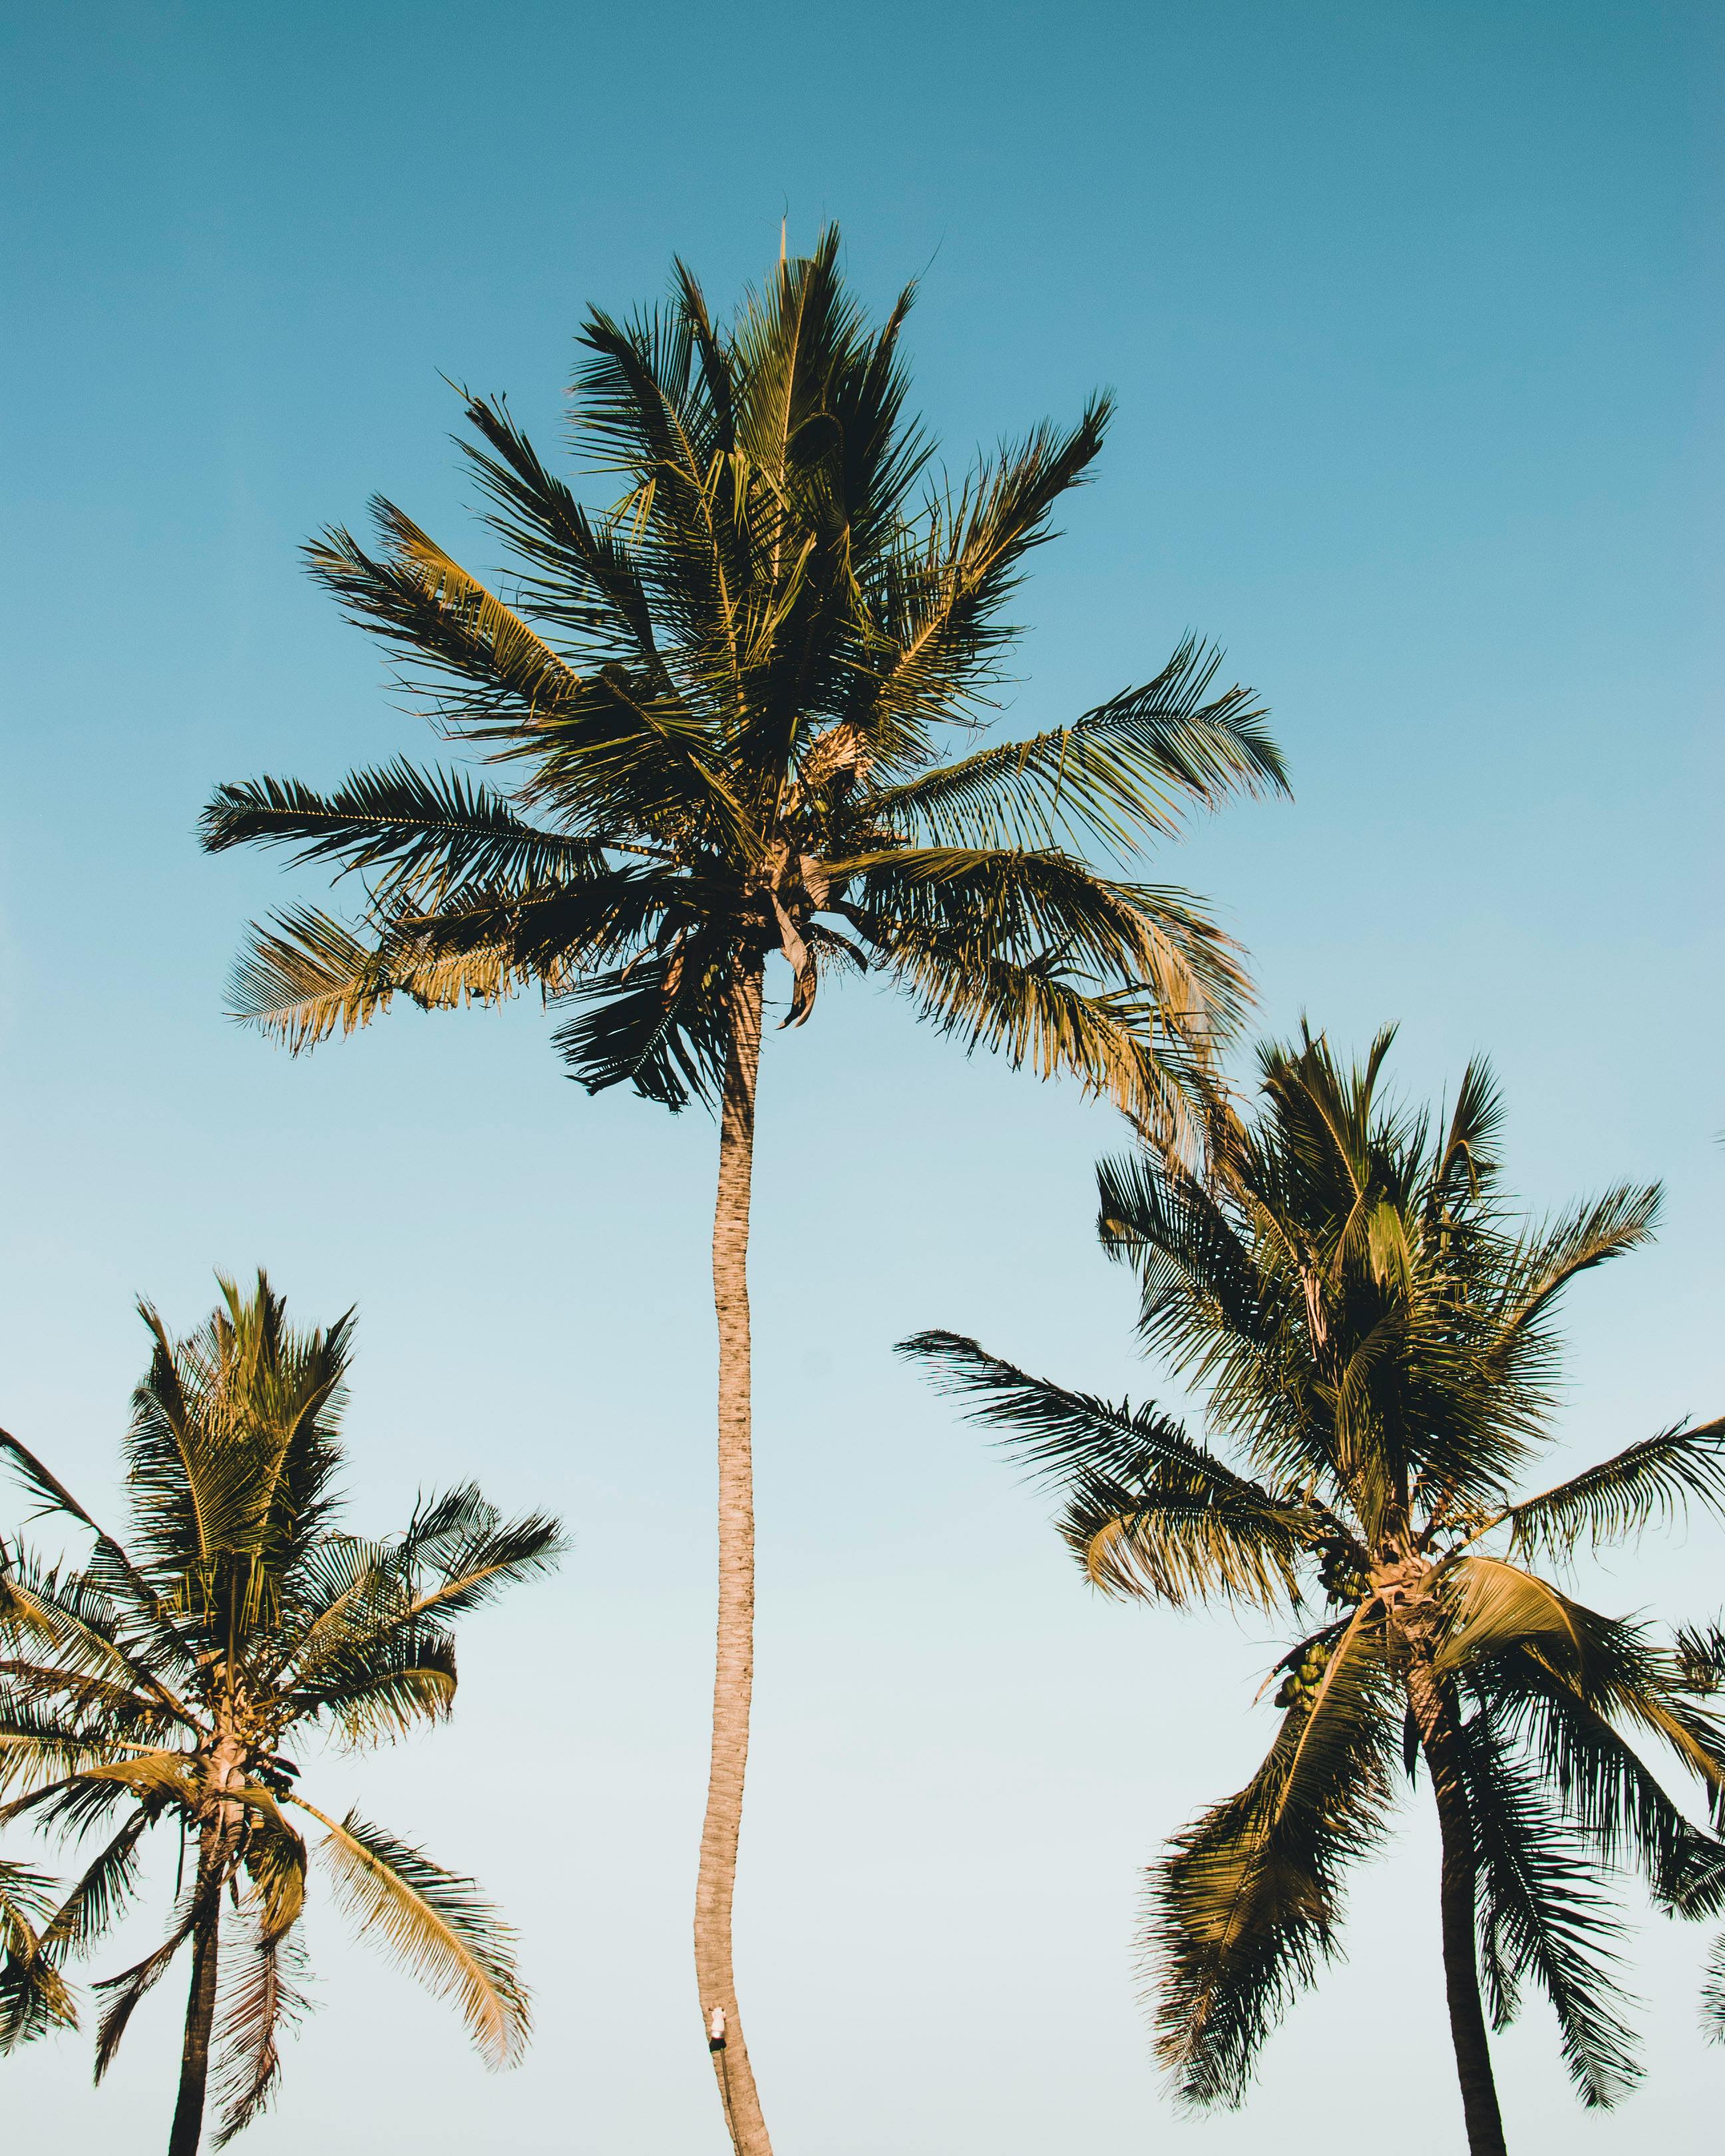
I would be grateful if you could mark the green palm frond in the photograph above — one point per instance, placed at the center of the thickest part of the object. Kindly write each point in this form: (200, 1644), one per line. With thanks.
(1547, 1260)
(1647, 1484)
(1147, 1510)
(1245, 1908)
(1123, 773)
(435, 835)
(1541, 1915)
(34, 1998)
(435, 1924)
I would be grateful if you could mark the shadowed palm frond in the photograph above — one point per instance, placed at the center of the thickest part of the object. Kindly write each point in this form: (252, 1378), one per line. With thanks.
(33, 1996)
(1647, 1484)
(1541, 1915)
(435, 836)
(1147, 1510)
(261, 2000)
(1244, 1909)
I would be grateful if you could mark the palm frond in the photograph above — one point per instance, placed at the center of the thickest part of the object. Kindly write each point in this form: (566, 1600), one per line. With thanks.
(435, 1924)
(1647, 1484)
(1246, 1906)
(1541, 1915)
(1128, 770)
(306, 975)
(33, 1996)
(259, 2001)
(435, 835)
(1148, 1511)
(125, 1993)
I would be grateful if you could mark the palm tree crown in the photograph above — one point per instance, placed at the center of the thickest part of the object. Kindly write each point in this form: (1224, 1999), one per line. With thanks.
(718, 704)
(164, 1681)
(1372, 1328)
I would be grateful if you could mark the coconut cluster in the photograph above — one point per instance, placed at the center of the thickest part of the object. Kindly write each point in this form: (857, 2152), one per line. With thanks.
(1300, 1686)
(1339, 1572)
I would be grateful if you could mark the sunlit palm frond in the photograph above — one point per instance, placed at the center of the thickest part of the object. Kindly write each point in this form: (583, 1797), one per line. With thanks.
(1491, 1605)
(305, 976)
(487, 661)
(435, 1924)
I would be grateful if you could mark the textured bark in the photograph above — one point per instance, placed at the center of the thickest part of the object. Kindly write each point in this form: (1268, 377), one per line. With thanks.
(215, 1850)
(733, 1676)
(1438, 1741)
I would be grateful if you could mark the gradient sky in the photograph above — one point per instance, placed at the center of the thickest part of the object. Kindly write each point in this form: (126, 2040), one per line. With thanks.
(1411, 311)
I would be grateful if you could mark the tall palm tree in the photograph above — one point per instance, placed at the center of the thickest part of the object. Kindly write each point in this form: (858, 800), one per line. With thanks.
(719, 709)
(163, 1681)
(1371, 1326)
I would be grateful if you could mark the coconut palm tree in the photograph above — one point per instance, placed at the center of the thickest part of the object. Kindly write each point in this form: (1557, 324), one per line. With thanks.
(1371, 1328)
(717, 710)
(163, 1681)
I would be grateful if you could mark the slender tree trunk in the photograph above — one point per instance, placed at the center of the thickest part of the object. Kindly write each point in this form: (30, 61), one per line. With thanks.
(201, 2004)
(1438, 1740)
(733, 1677)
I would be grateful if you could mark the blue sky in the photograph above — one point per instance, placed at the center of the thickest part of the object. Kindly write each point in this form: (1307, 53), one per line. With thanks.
(1411, 311)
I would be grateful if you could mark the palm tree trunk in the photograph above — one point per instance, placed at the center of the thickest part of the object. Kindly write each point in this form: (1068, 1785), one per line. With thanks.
(733, 1676)
(187, 2127)
(1434, 1720)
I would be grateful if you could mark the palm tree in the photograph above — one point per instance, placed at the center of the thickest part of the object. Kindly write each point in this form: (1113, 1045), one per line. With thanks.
(1371, 1327)
(163, 1681)
(719, 707)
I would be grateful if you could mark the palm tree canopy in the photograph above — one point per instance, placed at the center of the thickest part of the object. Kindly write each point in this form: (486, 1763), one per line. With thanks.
(719, 708)
(165, 1679)
(1371, 1328)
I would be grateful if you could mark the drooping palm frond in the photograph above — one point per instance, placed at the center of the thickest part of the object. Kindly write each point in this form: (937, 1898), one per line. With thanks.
(123, 1994)
(1246, 1906)
(1541, 1914)
(435, 1924)
(261, 2002)
(34, 1998)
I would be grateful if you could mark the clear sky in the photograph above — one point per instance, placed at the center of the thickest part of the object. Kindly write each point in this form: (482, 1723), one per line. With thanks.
(1410, 309)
